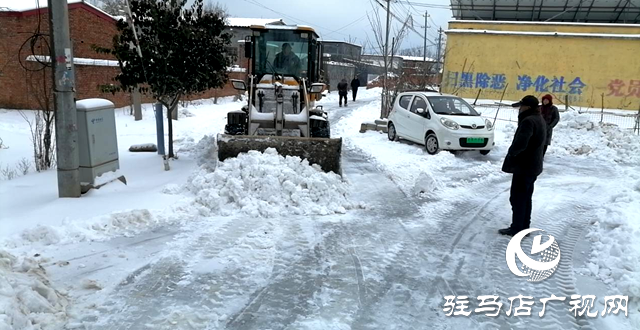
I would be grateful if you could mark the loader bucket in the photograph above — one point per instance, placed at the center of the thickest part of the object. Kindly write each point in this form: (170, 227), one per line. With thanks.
(324, 152)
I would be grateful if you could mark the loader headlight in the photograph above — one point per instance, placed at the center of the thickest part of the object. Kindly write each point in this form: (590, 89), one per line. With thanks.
(450, 124)
(488, 124)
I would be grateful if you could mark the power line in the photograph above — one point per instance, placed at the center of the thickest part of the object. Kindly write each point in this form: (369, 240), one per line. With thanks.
(434, 22)
(354, 22)
(427, 5)
(292, 18)
(412, 7)
(403, 22)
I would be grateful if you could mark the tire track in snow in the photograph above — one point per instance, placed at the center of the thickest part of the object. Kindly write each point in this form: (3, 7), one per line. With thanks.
(397, 282)
(565, 223)
(152, 299)
(299, 273)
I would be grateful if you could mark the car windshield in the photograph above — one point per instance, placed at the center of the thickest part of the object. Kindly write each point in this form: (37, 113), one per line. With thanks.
(447, 105)
(284, 52)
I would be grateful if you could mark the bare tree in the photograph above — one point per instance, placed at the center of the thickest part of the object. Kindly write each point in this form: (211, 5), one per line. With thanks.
(42, 120)
(378, 27)
(216, 8)
(38, 77)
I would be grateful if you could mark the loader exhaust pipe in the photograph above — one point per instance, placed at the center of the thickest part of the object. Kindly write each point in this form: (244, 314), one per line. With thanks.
(320, 151)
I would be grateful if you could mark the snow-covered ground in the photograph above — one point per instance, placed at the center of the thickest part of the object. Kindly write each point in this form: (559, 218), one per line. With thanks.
(269, 242)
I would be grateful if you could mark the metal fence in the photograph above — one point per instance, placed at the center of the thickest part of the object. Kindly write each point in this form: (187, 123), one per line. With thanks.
(504, 114)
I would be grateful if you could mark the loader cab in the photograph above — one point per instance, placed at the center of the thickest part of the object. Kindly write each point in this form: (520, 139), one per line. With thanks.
(290, 51)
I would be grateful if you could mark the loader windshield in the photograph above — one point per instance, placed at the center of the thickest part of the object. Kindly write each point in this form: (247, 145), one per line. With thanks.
(282, 51)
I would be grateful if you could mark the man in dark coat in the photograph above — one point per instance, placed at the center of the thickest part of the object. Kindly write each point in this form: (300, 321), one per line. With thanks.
(551, 117)
(343, 90)
(287, 62)
(355, 84)
(524, 160)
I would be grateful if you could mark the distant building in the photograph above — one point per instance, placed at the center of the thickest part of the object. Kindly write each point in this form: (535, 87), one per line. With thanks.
(413, 69)
(417, 63)
(378, 60)
(340, 60)
(339, 51)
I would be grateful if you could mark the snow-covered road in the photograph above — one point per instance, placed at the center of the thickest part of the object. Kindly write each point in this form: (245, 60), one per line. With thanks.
(428, 230)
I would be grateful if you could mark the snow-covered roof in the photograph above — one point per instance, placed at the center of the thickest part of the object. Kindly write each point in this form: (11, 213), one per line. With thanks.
(547, 34)
(24, 5)
(340, 64)
(100, 62)
(370, 63)
(29, 5)
(247, 22)
(291, 27)
(415, 58)
(341, 42)
(76, 60)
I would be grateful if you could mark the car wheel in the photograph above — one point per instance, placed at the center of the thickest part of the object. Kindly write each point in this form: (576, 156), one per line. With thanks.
(484, 152)
(391, 133)
(431, 144)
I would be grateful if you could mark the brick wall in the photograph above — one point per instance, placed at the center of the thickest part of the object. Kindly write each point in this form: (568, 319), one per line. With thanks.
(87, 27)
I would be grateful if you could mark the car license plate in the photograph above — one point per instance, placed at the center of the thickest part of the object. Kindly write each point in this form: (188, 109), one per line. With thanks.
(475, 140)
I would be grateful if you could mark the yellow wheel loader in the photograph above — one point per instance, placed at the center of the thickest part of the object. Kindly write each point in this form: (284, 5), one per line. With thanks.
(283, 86)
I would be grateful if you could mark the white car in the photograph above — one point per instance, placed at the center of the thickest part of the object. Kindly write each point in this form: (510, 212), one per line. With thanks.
(439, 122)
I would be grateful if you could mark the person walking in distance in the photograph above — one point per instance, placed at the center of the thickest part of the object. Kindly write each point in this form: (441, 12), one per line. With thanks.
(524, 161)
(551, 117)
(343, 90)
(355, 84)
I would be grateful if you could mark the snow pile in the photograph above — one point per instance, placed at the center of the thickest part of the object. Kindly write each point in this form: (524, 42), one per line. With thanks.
(127, 223)
(268, 185)
(613, 259)
(185, 113)
(107, 177)
(207, 152)
(577, 134)
(27, 300)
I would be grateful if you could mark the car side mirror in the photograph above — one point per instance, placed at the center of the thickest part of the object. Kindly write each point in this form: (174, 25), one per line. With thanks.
(239, 84)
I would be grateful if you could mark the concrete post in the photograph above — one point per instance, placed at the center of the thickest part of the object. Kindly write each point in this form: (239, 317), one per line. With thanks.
(67, 153)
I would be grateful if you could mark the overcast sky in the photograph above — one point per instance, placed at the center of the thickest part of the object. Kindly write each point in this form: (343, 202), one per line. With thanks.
(344, 19)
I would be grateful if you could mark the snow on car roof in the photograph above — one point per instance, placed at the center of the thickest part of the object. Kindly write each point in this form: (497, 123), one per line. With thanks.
(428, 93)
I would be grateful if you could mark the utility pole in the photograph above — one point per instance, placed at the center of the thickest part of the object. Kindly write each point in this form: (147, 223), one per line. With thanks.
(439, 47)
(67, 156)
(386, 64)
(424, 50)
